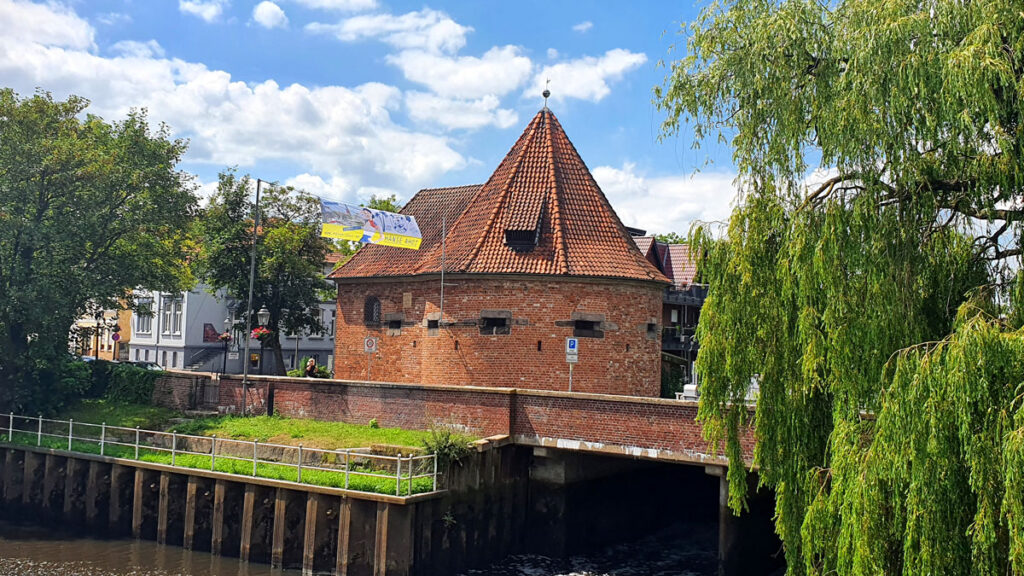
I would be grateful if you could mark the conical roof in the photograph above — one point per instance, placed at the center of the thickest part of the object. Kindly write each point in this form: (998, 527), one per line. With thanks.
(541, 212)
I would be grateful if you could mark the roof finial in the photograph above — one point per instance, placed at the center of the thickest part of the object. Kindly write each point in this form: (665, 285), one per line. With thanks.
(546, 93)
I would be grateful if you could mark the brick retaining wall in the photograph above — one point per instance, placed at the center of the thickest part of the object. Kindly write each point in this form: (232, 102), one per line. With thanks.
(638, 427)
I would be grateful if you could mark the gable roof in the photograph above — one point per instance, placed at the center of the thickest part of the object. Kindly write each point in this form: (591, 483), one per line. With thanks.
(674, 260)
(541, 212)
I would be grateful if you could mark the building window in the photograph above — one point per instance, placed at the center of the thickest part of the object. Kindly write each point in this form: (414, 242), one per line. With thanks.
(371, 311)
(177, 306)
(586, 329)
(334, 320)
(432, 327)
(174, 359)
(652, 330)
(144, 316)
(675, 316)
(394, 322)
(136, 354)
(163, 361)
(165, 317)
(147, 356)
(495, 322)
(494, 326)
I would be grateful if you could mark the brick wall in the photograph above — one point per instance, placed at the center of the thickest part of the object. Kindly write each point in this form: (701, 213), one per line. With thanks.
(630, 426)
(179, 390)
(532, 356)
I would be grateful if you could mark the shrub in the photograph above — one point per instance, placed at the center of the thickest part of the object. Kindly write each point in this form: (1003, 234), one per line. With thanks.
(131, 384)
(450, 445)
(322, 371)
(373, 423)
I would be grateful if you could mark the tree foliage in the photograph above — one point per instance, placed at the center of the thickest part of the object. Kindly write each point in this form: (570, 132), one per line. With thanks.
(879, 306)
(290, 255)
(88, 211)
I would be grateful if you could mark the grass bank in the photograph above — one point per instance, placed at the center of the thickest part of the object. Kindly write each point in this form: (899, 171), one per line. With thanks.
(309, 433)
(98, 411)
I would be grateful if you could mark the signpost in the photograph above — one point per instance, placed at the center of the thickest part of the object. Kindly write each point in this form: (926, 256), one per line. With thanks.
(369, 347)
(572, 355)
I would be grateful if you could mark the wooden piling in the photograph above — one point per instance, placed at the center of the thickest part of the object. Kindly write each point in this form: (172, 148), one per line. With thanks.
(248, 521)
(280, 524)
(190, 513)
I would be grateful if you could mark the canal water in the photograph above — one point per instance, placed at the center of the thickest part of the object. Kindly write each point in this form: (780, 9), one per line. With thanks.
(680, 550)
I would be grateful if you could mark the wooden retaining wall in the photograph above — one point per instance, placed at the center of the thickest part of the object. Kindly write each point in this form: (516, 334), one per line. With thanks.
(478, 521)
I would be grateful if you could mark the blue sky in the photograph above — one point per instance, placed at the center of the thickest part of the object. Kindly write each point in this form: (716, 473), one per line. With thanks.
(348, 98)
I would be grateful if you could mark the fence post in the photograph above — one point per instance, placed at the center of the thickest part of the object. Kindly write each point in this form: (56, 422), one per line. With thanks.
(10, 427)
(71, 428)
(136, 442)
(103, 437)
(298, 467)
(213, 453)
(348, 456)
(398, 476)
(174, 446)
(412, 464)
(39, 433)
(254, 445)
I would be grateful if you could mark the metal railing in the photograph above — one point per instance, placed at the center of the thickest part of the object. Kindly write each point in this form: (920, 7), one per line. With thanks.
(349, 469)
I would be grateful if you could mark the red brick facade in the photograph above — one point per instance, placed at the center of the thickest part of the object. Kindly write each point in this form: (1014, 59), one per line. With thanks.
(540, 311)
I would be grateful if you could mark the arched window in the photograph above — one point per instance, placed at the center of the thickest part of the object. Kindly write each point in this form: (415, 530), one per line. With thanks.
(371, 311)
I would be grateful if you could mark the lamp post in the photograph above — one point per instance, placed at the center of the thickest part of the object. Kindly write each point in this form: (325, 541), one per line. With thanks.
(248, 308)
(226, 338)
(263, 316)
(98, 316)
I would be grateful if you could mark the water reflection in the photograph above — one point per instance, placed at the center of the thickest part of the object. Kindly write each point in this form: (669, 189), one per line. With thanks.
(679, 550)
(31, 551)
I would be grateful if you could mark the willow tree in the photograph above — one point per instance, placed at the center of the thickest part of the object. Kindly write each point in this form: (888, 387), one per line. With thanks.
(867, 277)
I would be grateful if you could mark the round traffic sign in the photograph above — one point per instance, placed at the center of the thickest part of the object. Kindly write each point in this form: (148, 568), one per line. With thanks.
(369, 344)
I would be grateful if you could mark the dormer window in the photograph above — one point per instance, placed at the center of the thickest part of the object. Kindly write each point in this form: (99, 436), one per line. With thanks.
(521, 240)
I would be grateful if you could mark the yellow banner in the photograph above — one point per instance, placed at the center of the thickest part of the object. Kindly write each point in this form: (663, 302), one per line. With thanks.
(369, 226)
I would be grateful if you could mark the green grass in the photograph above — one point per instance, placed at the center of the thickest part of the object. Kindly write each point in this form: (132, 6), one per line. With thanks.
(240, 467)
(97, 411)
(309, 433)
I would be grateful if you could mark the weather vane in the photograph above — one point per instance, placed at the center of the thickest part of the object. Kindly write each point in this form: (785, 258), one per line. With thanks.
(546, 92)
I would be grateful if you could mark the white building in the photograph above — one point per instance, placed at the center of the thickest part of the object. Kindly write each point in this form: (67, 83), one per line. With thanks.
(182, 332)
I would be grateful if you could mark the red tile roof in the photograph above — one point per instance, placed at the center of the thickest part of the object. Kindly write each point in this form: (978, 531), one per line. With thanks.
(541, 186)
(674, 260)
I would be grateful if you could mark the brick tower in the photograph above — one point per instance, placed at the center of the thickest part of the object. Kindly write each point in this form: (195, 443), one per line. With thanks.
(534, 255)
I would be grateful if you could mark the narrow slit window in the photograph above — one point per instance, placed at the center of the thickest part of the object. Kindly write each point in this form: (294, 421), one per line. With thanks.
(394, 324)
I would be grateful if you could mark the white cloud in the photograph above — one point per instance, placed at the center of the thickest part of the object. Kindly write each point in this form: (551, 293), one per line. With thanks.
(583, 27)
(114, 18)
(499, 71)
(328, 131)
(340, 5)
(208, 10)
(424, 30)
(552, 53)
(667, 203)
(53, 24)
(586, 78)
(133, 49)
(459, 114)
(269, 15)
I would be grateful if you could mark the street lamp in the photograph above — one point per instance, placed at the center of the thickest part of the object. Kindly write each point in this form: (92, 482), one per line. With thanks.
(225, 338)
(98, 316)
(248, 307)
(263, 316)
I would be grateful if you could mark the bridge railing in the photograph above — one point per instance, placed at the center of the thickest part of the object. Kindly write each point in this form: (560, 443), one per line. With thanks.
(351, 469)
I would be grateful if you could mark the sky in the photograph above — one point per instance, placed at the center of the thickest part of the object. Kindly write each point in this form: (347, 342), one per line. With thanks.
(350, 98)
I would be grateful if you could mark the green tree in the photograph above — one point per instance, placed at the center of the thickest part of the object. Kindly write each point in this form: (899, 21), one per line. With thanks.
(88, 211)
(672, 238)
(879, 306)
(290, 255)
